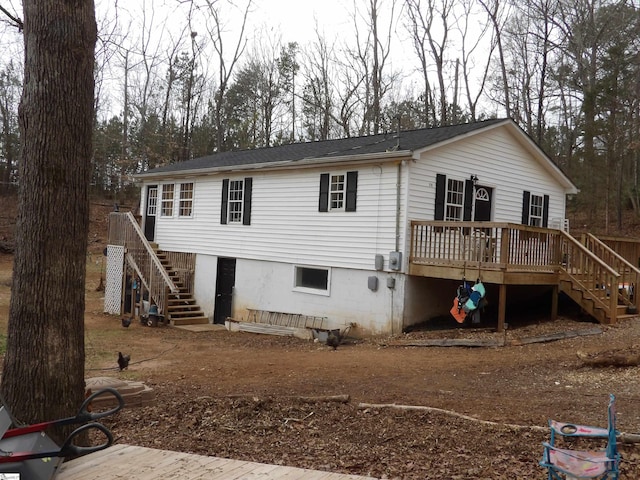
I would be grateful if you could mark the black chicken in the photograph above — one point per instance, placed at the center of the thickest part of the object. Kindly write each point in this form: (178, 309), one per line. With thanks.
(334, 338)
(126, 321)
(123, 361)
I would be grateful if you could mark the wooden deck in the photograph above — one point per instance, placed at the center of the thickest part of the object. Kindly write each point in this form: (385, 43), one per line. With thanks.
(141, 463)
(592, 273)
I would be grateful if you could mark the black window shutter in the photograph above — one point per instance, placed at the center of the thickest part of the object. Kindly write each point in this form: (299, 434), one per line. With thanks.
(225, 200)
(468, 200)
(323, 205)
(246, 201)
(545, 211)
(526, 199)
(352, 191)
(441, 190)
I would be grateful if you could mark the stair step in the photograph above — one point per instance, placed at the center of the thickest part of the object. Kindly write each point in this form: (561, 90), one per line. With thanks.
(183, 301)
(187, 314)
(183, 310)
(190, 321)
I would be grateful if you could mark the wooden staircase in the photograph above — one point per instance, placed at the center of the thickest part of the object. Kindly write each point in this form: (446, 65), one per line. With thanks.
(598, 279)
(594, 301)
(182, 308)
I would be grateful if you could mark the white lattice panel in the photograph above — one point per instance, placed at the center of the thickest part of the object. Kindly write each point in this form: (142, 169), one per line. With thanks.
(113, 287)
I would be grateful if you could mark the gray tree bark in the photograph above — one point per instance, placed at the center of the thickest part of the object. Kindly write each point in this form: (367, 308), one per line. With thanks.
(43, 376)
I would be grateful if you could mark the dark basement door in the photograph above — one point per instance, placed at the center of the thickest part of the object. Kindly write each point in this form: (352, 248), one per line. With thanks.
(225, 281)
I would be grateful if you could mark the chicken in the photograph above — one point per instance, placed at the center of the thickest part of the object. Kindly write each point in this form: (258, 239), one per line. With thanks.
(123, 361)
(334, 338)
(126, 321)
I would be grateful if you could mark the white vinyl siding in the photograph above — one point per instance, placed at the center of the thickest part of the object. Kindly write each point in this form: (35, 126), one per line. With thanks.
(499, 161)
(286, 225)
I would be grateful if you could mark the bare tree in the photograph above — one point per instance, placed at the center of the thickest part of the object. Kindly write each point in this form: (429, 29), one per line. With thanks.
(43, 374)
(528, 39)
(288, 66)
(10, 83)
(216, 29)
(419, 36)
(317, 94)
(422, 20)
(471, 44)
(496, 13)
(372, 52)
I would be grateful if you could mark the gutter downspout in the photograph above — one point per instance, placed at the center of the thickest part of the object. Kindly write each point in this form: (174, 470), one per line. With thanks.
(398, 207)
(397, 237)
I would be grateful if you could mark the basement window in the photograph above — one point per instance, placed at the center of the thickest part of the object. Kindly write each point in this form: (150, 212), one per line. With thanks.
(312, 280)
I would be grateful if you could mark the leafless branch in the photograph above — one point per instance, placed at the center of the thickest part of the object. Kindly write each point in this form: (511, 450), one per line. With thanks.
(14, 20)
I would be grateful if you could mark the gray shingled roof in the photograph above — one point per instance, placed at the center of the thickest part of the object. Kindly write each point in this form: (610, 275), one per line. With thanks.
(408, 140)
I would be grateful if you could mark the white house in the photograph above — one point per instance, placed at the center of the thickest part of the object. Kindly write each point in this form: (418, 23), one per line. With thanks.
(323, 229)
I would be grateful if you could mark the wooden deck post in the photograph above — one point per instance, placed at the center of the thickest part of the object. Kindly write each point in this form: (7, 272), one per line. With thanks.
(505, 241)
(554, 302)
(502, 307)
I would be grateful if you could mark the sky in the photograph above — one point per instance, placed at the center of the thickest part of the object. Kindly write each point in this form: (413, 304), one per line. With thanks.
(297, 19)
(289, 20)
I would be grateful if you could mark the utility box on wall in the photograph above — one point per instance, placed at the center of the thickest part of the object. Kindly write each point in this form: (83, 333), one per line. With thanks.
(372, 283)
(395, 260)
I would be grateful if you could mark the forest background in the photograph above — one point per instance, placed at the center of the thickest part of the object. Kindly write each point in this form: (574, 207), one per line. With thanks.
(179, 79)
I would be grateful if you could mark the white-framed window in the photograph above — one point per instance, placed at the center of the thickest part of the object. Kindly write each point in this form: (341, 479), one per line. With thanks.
(337, 191)
(236, 201)
(454, 204)
(316, 280)
(536, 209)
(185, 207)
(166, 207)
(152, 202)
(236, 195)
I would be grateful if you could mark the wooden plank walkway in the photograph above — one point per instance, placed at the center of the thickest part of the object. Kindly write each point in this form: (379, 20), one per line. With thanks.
(140, 463)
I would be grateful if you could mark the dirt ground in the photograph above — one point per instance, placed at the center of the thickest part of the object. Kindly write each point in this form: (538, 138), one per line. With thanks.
(238, 395)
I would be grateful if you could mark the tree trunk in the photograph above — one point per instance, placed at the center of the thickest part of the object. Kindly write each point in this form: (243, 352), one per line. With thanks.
(43, 375)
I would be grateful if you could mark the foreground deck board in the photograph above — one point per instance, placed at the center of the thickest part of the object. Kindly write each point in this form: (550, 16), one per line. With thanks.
(141, 463)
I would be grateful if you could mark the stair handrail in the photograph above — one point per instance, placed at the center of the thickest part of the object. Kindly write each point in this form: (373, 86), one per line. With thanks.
(138, 270)
(125, 231)
(619, 258)
(152, 253)
(606, 270)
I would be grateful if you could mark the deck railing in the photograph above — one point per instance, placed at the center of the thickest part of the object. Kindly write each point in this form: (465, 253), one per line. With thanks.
(627, 248)
(629, 274)
(183, 265)
(501, 245)
(596, 280)
(125, 231)
(517, 248)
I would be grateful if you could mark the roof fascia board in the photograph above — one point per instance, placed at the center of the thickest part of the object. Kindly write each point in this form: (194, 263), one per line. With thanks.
(310, 162)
